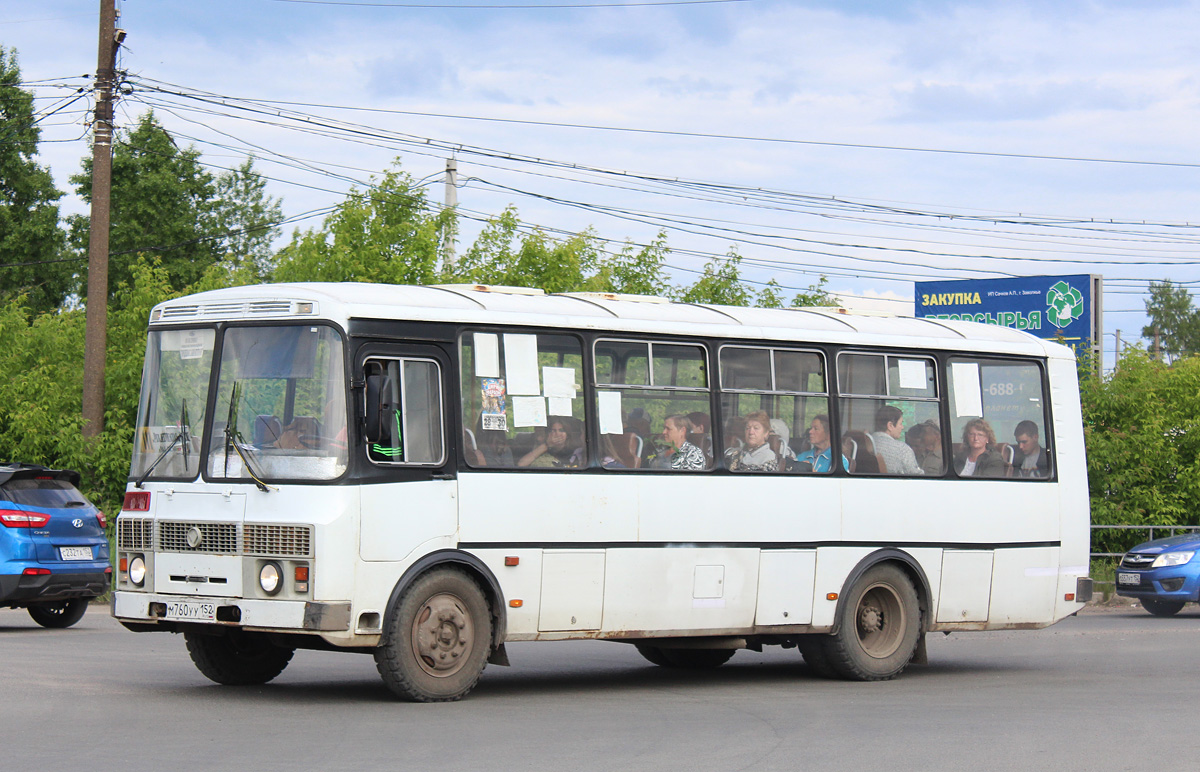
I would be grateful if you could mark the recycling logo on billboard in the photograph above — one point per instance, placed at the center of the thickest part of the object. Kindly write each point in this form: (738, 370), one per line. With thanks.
(1064, 304)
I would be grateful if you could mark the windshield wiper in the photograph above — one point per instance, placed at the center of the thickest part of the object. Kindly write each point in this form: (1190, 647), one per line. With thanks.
(183, 435)
(234, 439)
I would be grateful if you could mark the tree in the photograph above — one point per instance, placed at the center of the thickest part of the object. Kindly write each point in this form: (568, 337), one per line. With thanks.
(1142, 430)
(247, 219)
(384, 234)
(163, 203)
(30, 237)
(720, 284)
(1173, 317)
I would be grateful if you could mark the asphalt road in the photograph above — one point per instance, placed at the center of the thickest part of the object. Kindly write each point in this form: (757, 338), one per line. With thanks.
(1107, 690)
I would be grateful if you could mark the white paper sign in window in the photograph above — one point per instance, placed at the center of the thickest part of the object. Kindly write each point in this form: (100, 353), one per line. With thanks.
(529, 411)
(968, 400)
(521, 365)
(487, 355)
(610, 412)
(559, 382)
(912, 374)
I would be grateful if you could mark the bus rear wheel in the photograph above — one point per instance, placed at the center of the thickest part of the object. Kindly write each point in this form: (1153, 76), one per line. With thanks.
(439, 638)
(237, 658)
(878, 627)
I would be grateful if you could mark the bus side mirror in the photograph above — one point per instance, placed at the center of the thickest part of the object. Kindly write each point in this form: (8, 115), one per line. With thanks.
(377, 406)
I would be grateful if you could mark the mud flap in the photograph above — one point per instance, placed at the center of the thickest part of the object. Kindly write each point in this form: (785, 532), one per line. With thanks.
(920, 654)
(499, 657)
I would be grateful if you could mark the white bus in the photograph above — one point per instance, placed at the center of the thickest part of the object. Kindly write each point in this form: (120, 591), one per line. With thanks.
(427, 473)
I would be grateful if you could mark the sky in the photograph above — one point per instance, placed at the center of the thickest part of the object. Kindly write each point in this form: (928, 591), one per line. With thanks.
(874, 143)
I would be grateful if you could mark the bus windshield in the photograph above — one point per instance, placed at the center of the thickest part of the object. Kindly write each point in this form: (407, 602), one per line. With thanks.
(171, 410)
(280, 411)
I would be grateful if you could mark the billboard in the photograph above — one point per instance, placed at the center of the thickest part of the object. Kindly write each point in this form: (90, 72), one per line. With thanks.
(1045, 306)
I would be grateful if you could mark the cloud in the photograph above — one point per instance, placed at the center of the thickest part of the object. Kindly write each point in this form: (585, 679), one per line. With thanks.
(932, 102)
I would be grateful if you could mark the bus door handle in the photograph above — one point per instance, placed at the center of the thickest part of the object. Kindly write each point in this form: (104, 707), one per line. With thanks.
(443, 475)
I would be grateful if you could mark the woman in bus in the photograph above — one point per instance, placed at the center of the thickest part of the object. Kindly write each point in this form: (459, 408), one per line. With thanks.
(820, 452)
(554, 450)
(685, 455)
(979, 456)
(756, 454)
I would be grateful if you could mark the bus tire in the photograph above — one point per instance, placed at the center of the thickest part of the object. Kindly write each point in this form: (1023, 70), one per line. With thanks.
(1162, 608)
(59, 615)
(812, 649)
(878, 626)
(684, 659)
(439, 639)
(237, 658)
(653, 654)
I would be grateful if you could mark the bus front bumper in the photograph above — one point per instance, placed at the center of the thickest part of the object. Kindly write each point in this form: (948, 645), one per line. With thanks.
(285, 615)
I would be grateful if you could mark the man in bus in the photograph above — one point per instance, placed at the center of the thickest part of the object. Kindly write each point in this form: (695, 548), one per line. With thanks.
(894, 452)
(1031, 459)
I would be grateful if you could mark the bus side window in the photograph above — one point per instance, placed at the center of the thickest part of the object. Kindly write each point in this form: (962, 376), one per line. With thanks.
(998, 419)
(404, 412)
(522, 401)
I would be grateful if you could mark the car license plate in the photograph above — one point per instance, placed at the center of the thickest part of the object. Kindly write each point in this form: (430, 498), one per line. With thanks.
(75, 553)
(1129, 578)
(192, 611)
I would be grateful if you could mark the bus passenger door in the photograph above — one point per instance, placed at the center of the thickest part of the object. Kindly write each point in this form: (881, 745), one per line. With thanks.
(409, 493)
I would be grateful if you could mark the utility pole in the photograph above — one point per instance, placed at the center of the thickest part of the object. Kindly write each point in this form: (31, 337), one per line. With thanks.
(1117, 351)
(451, 203)
(1157, 355)
(95, 339)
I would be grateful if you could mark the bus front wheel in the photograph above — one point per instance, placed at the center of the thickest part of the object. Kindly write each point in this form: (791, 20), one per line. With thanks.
(878, 627)
(439, 638)
(237, 658)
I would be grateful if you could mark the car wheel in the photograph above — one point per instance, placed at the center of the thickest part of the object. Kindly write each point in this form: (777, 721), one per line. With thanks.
(1162, 608)
(237, 658)
(439, 638)
(59, 615)
(878, 627)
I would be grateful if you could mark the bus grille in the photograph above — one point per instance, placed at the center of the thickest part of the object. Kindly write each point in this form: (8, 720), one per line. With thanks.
(282, 540)
(135, 533)
(216, 538)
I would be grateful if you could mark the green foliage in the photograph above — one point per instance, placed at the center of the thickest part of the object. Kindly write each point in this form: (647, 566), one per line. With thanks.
(720, 284)
(29, 234)
(385, 234)
(1142, 429)
(247, 219)
(815, 295)
(1176, 321)
(162, 202)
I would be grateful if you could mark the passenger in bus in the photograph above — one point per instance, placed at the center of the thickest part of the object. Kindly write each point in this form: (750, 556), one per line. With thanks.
(735, 429)
(1031, 459)
(702, 432)
(979, 456)
(756, 454)
(681, 453)
(820, 452)
(926, 441)
(556, 449)
(896, 455)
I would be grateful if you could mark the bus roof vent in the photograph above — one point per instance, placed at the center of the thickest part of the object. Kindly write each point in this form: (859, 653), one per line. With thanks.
(271, 307)
(496, 288)
(177, 312)
(621, 296)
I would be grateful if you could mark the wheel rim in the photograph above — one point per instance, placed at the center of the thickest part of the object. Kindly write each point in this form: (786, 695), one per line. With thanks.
(880, 621)
(442, 635)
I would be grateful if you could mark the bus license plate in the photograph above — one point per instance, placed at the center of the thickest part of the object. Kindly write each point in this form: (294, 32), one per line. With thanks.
(1129, 578)
(75, 553)
(191, 611)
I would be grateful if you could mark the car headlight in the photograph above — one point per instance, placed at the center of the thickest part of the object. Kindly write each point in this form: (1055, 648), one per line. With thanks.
(1172, 559)
(137, 571)
(270, 577)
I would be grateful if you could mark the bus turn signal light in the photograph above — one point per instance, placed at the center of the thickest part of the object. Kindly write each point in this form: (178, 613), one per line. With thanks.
(516, 603)
(1069, 596)
(831, 596)
(301, 573)
(512, 560)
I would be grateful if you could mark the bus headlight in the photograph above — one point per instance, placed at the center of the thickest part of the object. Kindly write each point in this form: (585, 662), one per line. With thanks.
(137, 570)
(270, 577)
(1172, 559)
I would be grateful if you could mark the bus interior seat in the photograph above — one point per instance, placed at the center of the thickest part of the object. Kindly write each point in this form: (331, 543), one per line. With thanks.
(267, 430)
(471, 449)
(850, 452)
(866, 461)
(1008, 454)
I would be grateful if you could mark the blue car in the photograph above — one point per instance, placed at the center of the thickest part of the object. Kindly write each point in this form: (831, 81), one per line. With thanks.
(53, 551)
(1163, 574)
